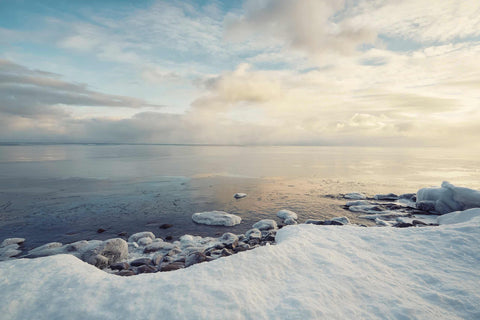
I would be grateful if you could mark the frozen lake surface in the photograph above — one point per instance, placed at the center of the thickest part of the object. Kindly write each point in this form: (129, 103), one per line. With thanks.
(66, 193)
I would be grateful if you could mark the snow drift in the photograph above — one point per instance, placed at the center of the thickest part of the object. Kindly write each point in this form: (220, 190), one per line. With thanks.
(313, 272)
(448, 198)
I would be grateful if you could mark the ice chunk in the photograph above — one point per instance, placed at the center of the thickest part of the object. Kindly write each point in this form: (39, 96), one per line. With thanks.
(358, 203)
(10, 241)
(265, 224)
(389, 196)
(139, 235)
(365, 208)
(284, 214)
(355, 196)
(449, 198)
(239, 195)
(342, 220)
(216, 218)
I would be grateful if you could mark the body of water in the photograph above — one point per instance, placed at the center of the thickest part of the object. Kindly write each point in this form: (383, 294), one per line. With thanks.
(66, 193)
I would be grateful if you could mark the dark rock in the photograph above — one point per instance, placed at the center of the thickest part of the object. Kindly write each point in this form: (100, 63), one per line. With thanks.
(403, 225)
(332, 223)
(253, 242)
(123, 234)
(126, 273)
(194, 258)
(268, 235)
(419, 223)
(426, 205)
(388, 196)
(165, 226)
(241, 247)
(316, 222)
(174, 252)
(141, 261)
(253, 234)
(226, 252)
(98, 261)
(120, 266)
(145, 269)
(101, 230)
(168, 238)
(408, 196)
(172, 266)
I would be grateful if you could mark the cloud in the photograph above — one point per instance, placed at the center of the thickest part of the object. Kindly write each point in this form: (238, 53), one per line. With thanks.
(29, 93)
(307, 25)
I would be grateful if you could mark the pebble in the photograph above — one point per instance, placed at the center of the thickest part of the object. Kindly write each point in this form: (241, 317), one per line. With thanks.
(165, 226)
(140, 262)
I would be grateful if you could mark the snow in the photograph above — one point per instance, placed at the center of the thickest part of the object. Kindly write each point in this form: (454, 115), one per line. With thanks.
(313, 272)
(448, 198)
(355, 196)
(216, 218)
(459, 216)
(285, 214)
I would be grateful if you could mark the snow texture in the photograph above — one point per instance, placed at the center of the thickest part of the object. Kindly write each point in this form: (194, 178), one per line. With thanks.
(314, 272)
(285, 214)
(448, 198)
(216, 218)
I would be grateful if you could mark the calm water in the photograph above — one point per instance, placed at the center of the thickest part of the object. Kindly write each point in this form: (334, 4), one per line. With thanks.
(66, 192)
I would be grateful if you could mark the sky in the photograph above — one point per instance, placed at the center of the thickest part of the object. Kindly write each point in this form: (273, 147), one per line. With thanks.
(261, 72)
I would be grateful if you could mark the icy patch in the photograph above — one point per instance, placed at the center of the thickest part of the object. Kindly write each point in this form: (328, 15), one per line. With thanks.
(460, 216)
(216, 218)
(355, 196)
(448, 198)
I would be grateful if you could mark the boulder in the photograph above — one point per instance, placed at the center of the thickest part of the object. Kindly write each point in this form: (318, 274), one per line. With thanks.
(216, 218)
(229, 240)
(137, 236)
(285, 214)
(265, 224)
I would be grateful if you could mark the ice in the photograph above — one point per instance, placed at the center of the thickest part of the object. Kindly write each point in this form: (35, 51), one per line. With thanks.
(10, 241)
(448, 198)
(265, 224)
(314, 272)
(216, 218)
(459, 216)
(139, 235)
(371, 208)
(355, 196)
(358, 203)
(285, 214)
(239, 195)
(389, 196)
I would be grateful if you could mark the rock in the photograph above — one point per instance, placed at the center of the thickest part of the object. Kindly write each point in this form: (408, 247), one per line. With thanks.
(98, 261)
(355, 196)
(157, 259)
(332, 223)
(9, 251)
(265, 224)
(426, 205)
(388, 196)
(141, 262)
(172, 266)
(382, 223)
(194, 258)
(115, 250)
(216, 218)
(358, 203)
(313, 221)
(48, 249)
(158, 245)
(241, 247)
(289, 222)
(239, 195)
(408, 196)
(342, 220)
(144, 241)
(226, 252)
(10, 241)
(168, 238)
(419, 223)
(285, 214)
(253, 234)
(403, 225)
(101, 230)
(145, 269)
(122, 234)
(268, 235)
(365, 208)
(120, 266)
(126, 273)
(165, 226)
(137, 236)
(229, 240)
(76, 246)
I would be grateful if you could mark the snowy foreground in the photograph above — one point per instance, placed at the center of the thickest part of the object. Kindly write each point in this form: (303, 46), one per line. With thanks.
(313, 272)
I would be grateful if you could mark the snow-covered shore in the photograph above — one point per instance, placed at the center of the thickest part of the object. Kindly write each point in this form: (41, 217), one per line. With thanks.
(313, 272)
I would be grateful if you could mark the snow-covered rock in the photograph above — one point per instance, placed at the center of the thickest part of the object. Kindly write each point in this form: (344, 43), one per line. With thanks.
(338, 273)
(284, 214)
(8, 251)
(290, 221)
(10, 241)
(355, 196)
(448, 198)
(216, 218)
(388, 196)
(358, 203)
(342, 220)
(265, 224)
(139, 235)
(373, 209)
(48, 249)
(239, 195)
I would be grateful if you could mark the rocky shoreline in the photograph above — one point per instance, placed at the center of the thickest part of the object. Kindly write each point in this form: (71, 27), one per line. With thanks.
(143, 252)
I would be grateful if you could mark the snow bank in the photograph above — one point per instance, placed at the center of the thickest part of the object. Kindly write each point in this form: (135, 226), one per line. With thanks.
(459, 216)
(216, 218)
(313, 272)
(448, 198)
